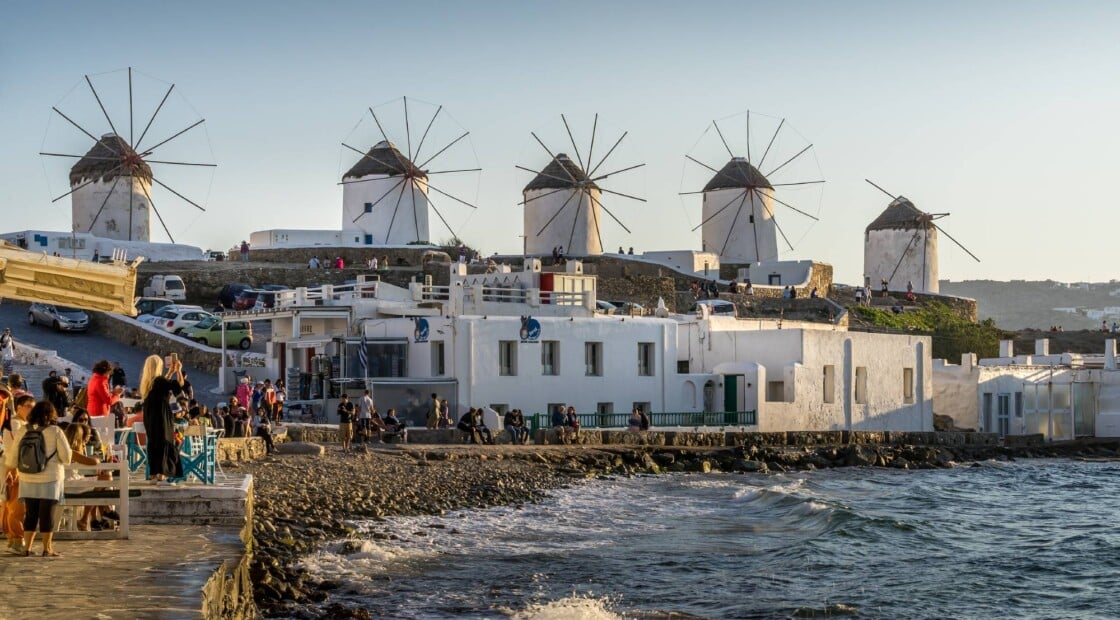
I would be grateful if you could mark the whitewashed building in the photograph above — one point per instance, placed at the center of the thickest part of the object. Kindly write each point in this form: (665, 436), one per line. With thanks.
(85, 246)
(738, 214)
(115, 205)
(900, 246)
(562, 209)
(531, 339)
(1060, 396)
(385, 199)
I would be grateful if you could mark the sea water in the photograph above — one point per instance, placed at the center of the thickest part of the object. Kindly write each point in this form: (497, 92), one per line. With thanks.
(1031, 539)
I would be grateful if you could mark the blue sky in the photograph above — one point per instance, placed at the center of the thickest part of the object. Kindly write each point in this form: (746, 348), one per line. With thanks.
(1003, 114)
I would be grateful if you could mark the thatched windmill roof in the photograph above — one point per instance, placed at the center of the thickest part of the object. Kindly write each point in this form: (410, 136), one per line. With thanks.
(901, 215)
(560, 173)
(738, 174)
(104, 160)
(383, 158)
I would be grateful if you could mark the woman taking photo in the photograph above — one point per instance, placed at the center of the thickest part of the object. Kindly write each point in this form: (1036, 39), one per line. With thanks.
(156, 389)
(41, 491)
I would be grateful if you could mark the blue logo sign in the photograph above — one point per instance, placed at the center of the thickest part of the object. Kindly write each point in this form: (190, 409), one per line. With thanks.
(530, 329)
(420, 334)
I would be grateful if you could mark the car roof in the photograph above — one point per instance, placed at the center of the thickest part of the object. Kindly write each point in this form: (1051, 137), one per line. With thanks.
(714, 302)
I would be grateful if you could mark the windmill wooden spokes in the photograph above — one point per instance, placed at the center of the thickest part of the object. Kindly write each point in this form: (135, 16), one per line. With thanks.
(578, 183)
(117, 156)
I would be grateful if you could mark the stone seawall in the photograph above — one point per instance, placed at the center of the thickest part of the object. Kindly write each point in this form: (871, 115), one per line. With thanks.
(128, 331)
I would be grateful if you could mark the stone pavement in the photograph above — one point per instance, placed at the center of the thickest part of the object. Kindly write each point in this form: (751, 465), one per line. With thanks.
(158, 573)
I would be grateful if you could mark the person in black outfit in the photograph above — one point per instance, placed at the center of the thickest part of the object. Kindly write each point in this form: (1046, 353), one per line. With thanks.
(156, 388)
(118, 376)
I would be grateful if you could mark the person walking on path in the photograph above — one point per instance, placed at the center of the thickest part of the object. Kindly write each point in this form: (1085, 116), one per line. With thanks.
(7, 350)
(433, 412)
(156, 389)
(40, 491)
(345, 418)
(365, 415)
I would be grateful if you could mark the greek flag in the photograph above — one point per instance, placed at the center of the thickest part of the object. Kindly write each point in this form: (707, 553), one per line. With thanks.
(362, 359)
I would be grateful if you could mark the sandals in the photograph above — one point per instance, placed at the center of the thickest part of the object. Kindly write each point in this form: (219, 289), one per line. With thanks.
(51, 554)
(83, 526)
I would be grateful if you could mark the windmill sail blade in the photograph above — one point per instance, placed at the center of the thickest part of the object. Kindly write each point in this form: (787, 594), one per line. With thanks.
(385, 137)
(459, 200)
(81, 156)
(149, 150)
(430, 173)
(100, 105)
(773, 216)
(605, 157)
(748, 136)
(575, 148)
(80, 186)
(903, 257)
(407, 132)
(195, 204)
(620, 170)
(691, 158)
(426, 130)
(799, 153)
(731, 228)
(441, 218)
(538, 197)
(798, 183)
(959, 244)
(784, 203)
(591, 149)
(551, 157)
(722, 139)
(130, 127)
(608, 212)
(178, 163)
(152, 204)
(389, 230)
(136, 145)
(772, 138)
(372, 158)
(415, 215)
(549, 176)
(893, 197)
(575, 221)
(611, 191)
(108, 145)
(594, 217)
(440, 152)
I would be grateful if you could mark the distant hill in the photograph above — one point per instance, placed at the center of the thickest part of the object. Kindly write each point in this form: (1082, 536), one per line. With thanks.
(1022, 304)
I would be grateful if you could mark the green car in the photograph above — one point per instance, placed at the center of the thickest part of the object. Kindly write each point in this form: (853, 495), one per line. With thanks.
(208, 331)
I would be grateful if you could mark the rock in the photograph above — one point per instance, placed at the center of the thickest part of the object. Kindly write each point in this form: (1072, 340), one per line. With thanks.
(301, 447)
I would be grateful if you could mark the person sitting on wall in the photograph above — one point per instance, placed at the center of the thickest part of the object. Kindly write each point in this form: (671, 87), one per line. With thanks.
(571, 420)
(560, 422)
(478, 424)
(910, 297)
(646, 422)
(635, 424)
(394, 428)
(813, 293)
(883, 284)
(466, 426)
(515, 426)
(749, 290)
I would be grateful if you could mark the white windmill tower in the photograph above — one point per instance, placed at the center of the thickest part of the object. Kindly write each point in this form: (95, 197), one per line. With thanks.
(111, 184)
(386, 195)
(563, 203)
(740, 205)
(900, 247)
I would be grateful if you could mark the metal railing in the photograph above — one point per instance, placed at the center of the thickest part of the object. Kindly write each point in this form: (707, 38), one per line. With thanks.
(327, 295)
(659, 419)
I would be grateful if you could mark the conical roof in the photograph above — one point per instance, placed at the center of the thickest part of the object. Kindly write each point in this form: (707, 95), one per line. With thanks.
(738, 174)
(383, 158)
(560, 173)
(901, 215)
(105, 159)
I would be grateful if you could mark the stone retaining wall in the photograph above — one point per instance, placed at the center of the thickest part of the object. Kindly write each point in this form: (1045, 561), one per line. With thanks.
(228, 593)
(127, 331)
(241, 449)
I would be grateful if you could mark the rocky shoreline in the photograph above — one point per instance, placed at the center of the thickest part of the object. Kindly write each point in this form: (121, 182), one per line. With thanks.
(303, 501)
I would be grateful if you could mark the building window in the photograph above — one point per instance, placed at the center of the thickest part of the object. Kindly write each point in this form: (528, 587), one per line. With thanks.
(908, 385)
(775, 391)
(369, 207)
(829, 391)
(384, 358)
(550, 357)
(645, 359)
(604, 408)
(369, 239)
(861, 385)
(439, 367)
(507, 358)
(593, 359)
(751, 221)
(683, 367)
(306, 329)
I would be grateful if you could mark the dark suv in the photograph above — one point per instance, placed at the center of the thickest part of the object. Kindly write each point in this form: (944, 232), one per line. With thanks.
(230, 292)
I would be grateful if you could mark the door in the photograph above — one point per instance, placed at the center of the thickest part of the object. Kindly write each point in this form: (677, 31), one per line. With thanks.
(731, 392)
(1003, 414)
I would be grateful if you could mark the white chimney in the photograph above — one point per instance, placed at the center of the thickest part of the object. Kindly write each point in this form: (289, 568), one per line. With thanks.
(1110, 354)
(968, 361)
(1006, 349)
(1042, 346)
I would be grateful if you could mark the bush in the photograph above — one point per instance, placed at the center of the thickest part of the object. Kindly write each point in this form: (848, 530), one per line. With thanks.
(952, 335)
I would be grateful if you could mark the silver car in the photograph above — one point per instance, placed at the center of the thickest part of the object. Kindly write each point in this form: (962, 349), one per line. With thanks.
(62, 318)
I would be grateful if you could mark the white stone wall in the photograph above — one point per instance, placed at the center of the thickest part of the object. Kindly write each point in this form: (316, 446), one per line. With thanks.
(82, 246)
(884, 248)
(410, 222)
(291, 238)
(702, 264)
(748, 243)
(574, 228)
(955, 391)
(115, 221)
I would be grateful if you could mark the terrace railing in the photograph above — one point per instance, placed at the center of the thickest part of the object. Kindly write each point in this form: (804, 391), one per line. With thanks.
(661, 419)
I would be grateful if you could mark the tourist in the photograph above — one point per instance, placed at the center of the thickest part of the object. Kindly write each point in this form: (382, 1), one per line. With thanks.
(268, 399)
(118, 377)
(393, 427)
(444, 414)
(813, 293)
(99, 397)
(77, 436)
(156, 389)
(883, 284)
(243, 391)
(365, 408)
(41, 491)
(256, 397)
(631, 250)
(646, 422)
(263, 428)
(635, 422)
(572, 422)
(750, 288)
(859, 296)
(12, 510)
(515, 426)
(792, 292)
(7, 350)
(313, 263)
(433, 412)
(96, 255)
(384, 263)
(464, 424)
(244, 251)
(620, 250)
(909, 286)
(339, 263)
(866, 295)
(478, 425)
(281, 396)
(345, 418)
(559, 422)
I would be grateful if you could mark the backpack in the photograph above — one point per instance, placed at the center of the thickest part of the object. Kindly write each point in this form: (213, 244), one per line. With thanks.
(82, 398)
(33, 452)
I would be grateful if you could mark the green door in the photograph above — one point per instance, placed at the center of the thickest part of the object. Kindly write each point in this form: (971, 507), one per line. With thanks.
(731, 392)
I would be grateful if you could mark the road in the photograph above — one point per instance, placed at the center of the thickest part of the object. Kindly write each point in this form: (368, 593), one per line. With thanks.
(86, 349)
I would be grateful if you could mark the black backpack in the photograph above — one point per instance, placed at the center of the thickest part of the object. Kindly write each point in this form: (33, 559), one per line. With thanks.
(33, 452)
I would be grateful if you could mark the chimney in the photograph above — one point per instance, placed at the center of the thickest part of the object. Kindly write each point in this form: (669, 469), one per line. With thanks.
(1042, 346)
(968, 361)
(1110, 354)
(1006, 349)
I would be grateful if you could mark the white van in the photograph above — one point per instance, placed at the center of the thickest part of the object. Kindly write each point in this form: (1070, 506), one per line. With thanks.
(167, 286)
(720, 307)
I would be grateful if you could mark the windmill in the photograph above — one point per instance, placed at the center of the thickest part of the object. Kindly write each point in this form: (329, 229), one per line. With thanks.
(562, 183)
(111, 183)
(900, 246)
(740, 206)
(386, 193)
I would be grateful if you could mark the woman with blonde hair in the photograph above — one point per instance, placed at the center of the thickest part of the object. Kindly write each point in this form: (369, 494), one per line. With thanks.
(156, 389)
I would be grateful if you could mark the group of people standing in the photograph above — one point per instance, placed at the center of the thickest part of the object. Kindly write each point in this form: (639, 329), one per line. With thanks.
(362, 422)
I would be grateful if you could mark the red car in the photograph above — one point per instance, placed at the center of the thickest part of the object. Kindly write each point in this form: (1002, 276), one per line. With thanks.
(247, 299)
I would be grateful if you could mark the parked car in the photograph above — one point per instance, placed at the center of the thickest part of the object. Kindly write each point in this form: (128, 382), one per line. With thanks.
(716, 306)
(62, 318)
(208, 331)
(266, 300)
(605, 307)
(627, 307)
(148, 305)
(164, 312)
(275, 287)
(175, 321)
(247, 300)
(169, 286)
(228, 295)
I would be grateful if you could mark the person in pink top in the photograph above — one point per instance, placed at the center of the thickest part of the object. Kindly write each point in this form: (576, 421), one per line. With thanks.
(101, 397)
(243, 391)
